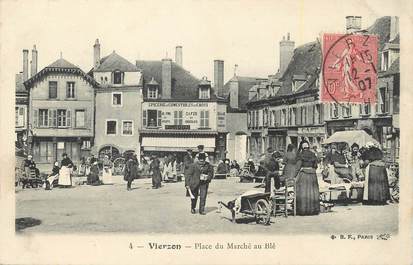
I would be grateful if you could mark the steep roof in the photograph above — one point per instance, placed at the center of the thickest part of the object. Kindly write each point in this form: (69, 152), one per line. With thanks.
(114, 62)
(60, 66)
(184, 84)
(62, 63)
(381, 27)
(305, 64)
(245, 83)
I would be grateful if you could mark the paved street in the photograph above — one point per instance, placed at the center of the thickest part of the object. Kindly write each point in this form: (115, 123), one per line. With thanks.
(110, 208)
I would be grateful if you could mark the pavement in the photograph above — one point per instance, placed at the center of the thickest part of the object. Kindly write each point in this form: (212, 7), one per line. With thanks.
(110, 208)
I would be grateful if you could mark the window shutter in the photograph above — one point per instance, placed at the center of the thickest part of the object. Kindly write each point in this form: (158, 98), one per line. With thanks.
(310, 114)
(54, 118)
(35, 118)
(298, 116)
(88, 120)
(159, 118)
(144, 118)
(50, 117)
(207, 118)
(68, 119)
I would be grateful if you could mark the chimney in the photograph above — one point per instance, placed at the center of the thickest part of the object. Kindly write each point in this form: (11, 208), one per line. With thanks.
(33, 66)
(178, 55)
(353, 24)
(286, 52)
(394, 27)
(219, 77)
(96, 54)
(166, 78)
(25, 64)
(234, 93)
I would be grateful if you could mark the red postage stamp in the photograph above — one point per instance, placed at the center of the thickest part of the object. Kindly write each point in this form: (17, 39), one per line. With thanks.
(349, 68)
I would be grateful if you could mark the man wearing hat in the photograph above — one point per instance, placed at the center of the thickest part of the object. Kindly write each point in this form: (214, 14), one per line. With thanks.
(197, 179)
(154, 167)
(188, 160)
(271, 168)
(201, 151)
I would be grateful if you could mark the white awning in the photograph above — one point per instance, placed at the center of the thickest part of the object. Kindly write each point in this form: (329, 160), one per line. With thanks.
(177, 143)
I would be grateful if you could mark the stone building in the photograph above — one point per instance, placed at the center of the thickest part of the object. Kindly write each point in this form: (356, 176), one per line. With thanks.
(118, 104)
(180, 111)
(61, 107)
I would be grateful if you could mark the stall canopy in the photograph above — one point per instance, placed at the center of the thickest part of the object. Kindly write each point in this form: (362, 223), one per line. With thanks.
(177, 143)
(359, 137)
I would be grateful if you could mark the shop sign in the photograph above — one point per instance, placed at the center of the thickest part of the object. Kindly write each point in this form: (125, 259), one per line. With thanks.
(177, 127)
(310, 130)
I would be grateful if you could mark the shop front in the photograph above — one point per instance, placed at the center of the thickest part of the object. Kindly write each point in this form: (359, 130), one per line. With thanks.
(165, 144)
(277, 139)
(315, 135)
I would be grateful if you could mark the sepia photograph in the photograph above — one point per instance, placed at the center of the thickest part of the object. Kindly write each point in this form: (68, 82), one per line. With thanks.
(259, 119)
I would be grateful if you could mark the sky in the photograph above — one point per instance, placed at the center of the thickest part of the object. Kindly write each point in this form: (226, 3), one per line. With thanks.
(246, 33)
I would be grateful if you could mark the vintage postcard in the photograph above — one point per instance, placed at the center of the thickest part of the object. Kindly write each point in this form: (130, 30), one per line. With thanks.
(206, 132)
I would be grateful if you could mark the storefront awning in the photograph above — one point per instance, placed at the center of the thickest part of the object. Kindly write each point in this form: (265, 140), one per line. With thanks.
(179, 144)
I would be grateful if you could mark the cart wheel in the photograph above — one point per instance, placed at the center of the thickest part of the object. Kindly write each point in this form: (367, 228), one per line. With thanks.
(262, 212)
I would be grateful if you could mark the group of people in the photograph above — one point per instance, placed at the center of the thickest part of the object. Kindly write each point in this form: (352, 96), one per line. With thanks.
(360, 164)
(62, 173)
(228, 167)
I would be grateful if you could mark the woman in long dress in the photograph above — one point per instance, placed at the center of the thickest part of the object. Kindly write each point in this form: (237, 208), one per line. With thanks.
(107, 171)
(54, 175)
(290, 161)
(307, 190)
(65, 172)
(376, 184)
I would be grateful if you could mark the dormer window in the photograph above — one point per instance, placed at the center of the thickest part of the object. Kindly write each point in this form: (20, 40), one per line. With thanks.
(275, 90)
(298, 82)
(385, 60)
(118, 77)
(204, 89)
(152, 89)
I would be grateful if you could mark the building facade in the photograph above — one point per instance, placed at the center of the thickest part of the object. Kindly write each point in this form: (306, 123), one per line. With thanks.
(180, 112)
(61, 107)
(118, 104)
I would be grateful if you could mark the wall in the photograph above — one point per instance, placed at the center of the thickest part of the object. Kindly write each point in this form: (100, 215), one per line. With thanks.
(191, 112)
(130, 110)
(84, 92)
(130, 78)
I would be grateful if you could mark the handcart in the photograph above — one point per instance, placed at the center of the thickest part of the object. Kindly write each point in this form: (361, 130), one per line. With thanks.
(257, 205)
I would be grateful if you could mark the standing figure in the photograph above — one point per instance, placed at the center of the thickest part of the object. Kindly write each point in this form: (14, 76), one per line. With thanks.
(290, 161)
(93, 178)
(307, 191)
(201, 151)
(131, 171)
(376, 184)
(107, 171)
(53, 176)
(355, 162)
(65, 178)
(156, 172)
(168, 168)
(145, 167)
(188, 160)
(197, 180)
(271, 168)
(29, 166)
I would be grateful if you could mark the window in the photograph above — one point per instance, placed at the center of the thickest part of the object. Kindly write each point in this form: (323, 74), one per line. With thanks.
(46, 151)
(384, 100)
(317, 114)
(385, 61)
(127, 127)
(70, 89)
(52, 89)
(152, 118)
(63, 118)
(80, 118)
(116, 99)
(20, 116)
(85, 145)
(43, 117)
(346, 110)
(333, 110)
(117, 78)
(204, 93)
(204, 121)
(365, 109)
(152, 92)
(178, 117)
(111, 127)
(284, 117)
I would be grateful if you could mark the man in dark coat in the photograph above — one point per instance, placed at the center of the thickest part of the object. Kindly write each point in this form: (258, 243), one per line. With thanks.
(154, 167)
(131, 171)
(271, 168)
(198, 177)
(188, 160)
